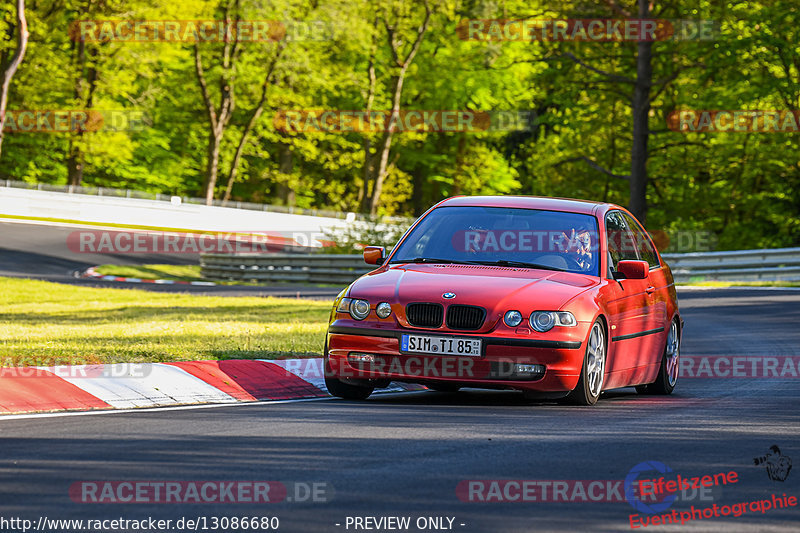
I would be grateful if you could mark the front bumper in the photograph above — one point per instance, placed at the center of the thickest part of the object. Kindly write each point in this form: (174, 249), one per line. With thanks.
(561, 357)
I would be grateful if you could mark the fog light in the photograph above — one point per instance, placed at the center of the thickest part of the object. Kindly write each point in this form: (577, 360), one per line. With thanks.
(528, 369)
(383, 310)
(361, 358)
(516, 371)
(513, 319)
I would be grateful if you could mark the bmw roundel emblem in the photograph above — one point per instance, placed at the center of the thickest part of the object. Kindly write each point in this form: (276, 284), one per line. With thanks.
(449, 295)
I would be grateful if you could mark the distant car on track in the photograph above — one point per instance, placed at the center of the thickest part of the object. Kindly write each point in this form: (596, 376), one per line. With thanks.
(558, 298)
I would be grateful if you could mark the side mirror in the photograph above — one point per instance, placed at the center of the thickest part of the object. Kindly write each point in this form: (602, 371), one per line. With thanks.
(632, 270)
(374, 255)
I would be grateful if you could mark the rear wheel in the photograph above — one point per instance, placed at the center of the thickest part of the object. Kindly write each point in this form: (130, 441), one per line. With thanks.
(670, 361)
(590, 383)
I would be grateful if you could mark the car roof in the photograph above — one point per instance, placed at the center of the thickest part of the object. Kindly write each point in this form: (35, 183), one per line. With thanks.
(570, 205)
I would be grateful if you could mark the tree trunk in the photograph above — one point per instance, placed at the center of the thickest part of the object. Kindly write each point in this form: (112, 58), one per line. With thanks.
(240, 150)
(74, 164)
(75, 158)
(368, 171)
(251, 123)
(218, 119)
(10, 69)
(640, 104)
(285, 166)
(212, 166)
(417, 194)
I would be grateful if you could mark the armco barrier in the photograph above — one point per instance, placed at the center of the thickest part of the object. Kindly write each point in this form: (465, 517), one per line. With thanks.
(782, 264)
(298, 268)
(778, 264)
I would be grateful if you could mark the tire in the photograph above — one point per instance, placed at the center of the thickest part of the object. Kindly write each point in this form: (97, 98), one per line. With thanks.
(590, 383)
(670, 365)
(344, 390)
(444, 387)
(337, 387)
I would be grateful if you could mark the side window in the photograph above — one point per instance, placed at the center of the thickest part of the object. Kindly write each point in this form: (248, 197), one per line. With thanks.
(621, 246)
(643, 244)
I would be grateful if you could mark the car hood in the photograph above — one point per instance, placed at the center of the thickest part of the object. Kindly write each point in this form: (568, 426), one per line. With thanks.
(494, 288)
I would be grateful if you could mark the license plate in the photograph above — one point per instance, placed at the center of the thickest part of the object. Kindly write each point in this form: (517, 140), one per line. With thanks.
(440, 345)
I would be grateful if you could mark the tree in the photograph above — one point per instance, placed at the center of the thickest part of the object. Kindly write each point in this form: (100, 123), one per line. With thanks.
(401, 60)
(9, 66)
(218, 116)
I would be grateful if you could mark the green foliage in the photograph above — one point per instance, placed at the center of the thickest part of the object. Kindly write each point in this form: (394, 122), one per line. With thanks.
(742, 187)
(372, 231)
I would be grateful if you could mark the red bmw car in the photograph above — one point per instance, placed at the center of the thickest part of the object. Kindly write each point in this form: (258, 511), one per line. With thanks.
(555, 297)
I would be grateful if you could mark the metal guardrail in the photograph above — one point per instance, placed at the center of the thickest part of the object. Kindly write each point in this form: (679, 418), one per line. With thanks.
(777, 264)
(748, 265)
(297, 268)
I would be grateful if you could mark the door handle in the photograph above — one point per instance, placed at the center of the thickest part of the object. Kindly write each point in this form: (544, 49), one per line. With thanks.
(650, 290)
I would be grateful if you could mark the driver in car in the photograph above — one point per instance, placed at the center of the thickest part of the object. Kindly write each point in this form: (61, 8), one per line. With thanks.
(579, 244)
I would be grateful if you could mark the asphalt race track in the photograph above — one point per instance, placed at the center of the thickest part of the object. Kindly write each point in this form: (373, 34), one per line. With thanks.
(404, 455)
(40, 251)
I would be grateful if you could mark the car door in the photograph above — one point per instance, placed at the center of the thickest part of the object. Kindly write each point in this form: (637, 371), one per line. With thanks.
(628, 306)
(655, 321)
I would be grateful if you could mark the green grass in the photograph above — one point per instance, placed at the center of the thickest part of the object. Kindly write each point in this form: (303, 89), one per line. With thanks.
(185, 273)
(44, 323)
(742, 283)
(172, 272)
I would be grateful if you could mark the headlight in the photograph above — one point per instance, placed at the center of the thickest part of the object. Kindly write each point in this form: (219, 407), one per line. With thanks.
(513, 319)
(543, 321)
(359, 309)
(383, 310)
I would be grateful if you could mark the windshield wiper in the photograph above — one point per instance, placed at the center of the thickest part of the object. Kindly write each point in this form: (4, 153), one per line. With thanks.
(522, 264)
(435, 260)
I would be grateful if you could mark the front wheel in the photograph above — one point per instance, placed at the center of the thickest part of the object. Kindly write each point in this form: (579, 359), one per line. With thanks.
(590, 383)
(344, 390)
(670, 361)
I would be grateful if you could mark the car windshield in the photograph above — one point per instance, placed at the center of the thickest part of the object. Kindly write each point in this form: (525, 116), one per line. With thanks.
(502, 236)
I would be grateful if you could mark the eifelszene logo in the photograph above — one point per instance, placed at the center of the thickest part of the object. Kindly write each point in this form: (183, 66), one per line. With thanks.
(778, 465)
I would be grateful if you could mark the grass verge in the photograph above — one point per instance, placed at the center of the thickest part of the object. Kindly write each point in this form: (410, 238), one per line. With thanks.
(184, 273)
(43, 323)
(171, 272)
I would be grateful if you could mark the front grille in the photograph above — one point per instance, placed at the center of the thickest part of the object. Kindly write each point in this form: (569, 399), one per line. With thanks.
(465, 317)
(425, 315)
